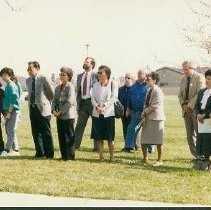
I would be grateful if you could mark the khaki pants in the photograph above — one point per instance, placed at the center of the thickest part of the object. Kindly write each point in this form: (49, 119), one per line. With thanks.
(191, 130)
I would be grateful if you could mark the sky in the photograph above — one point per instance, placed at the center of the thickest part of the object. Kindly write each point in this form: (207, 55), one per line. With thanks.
(125, 35)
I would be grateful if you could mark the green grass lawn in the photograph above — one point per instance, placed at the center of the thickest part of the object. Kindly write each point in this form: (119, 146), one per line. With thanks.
(126, 178)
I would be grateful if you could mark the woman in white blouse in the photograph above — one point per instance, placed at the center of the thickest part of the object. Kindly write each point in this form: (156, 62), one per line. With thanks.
(104, 94)
(203, 111)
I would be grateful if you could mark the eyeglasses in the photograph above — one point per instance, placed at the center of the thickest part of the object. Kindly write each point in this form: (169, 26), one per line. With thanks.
(127, 78)
(99, 72)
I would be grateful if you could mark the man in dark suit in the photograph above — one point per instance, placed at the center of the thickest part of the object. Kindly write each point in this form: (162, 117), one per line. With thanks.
(85, 82)
(40, 95)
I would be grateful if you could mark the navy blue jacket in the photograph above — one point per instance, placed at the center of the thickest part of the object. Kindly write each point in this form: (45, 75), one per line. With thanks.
(123, 95)
(136, 96)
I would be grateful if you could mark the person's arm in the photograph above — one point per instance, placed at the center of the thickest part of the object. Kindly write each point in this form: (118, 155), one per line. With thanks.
(180, 94)
(48, 88)
(55, 104)
(114, 95)
(156, 101)
(93, 100)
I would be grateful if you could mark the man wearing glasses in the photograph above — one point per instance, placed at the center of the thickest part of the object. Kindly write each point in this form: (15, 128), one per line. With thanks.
(40, 96)
(135, 104)
(122, 96)
(85, 82)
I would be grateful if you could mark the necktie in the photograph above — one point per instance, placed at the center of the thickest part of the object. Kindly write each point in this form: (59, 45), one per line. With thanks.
(187, 89)
(148, 97)
(33, 92)
(85, 85)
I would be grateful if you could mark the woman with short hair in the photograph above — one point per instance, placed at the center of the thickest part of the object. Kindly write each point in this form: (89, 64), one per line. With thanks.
(104, 94)
(63, 108)
(153, 118)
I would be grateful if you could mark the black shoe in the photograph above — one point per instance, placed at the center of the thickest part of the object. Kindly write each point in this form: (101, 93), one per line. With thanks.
(129, 149)
(39, 156)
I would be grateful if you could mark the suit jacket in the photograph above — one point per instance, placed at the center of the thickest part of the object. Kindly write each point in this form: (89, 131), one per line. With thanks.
(78, 88)
(155, 110)
(197, 82)
(207, 110)
(64, 101)
(43, 94)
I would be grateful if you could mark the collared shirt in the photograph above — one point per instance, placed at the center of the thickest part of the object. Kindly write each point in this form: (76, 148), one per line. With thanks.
(207, 94)
(88, 89)
(136, 96)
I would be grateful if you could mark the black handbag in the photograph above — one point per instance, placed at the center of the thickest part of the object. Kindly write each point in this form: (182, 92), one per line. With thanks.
(118, 107)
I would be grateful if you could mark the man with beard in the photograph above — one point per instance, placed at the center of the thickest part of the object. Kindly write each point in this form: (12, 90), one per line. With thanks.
(85, 82)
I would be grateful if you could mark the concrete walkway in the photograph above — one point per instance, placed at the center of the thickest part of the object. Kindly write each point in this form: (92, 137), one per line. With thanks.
(31, 200)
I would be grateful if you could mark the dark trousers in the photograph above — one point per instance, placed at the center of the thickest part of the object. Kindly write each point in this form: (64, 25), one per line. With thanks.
(125, 123)
(65, 129)
(41, 132)
(84, 112)
(1, 138)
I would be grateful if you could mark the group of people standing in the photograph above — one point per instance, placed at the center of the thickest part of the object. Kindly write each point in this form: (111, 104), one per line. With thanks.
(94, 96)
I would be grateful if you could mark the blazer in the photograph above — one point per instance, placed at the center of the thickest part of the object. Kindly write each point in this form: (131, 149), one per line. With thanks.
(207, 109)
(64, 101)
(93, 78)
(197, 82)
(155, 110)
(43, 94)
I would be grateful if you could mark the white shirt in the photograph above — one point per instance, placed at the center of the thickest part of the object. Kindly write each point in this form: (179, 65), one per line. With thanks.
(88, 88)
(103, 95)
(205, 97)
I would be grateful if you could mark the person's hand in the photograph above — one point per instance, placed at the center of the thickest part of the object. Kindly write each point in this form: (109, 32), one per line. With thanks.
(99, 109)
(200, 118)
(127, 113)
(55, 113)
(143, 115)
(184, 108)
(189, 111)
(8, 116)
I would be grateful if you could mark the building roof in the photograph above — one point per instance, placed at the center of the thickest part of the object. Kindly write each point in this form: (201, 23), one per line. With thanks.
(179, 71)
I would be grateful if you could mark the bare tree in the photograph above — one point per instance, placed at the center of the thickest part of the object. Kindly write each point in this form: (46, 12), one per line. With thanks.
(199, 34)
(15, 5)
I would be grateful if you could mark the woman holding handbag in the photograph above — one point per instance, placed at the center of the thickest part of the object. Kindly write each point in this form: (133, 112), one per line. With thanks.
(104, 94)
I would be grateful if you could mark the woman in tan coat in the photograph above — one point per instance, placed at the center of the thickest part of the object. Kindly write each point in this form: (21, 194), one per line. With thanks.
(153, 118)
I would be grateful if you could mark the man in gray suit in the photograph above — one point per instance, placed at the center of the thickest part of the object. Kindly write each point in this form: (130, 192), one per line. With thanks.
(190, 85)
(85, 82)
(40, 95)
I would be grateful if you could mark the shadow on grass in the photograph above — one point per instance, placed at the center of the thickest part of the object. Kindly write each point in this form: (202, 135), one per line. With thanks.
(161, 169)
(32, 149)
